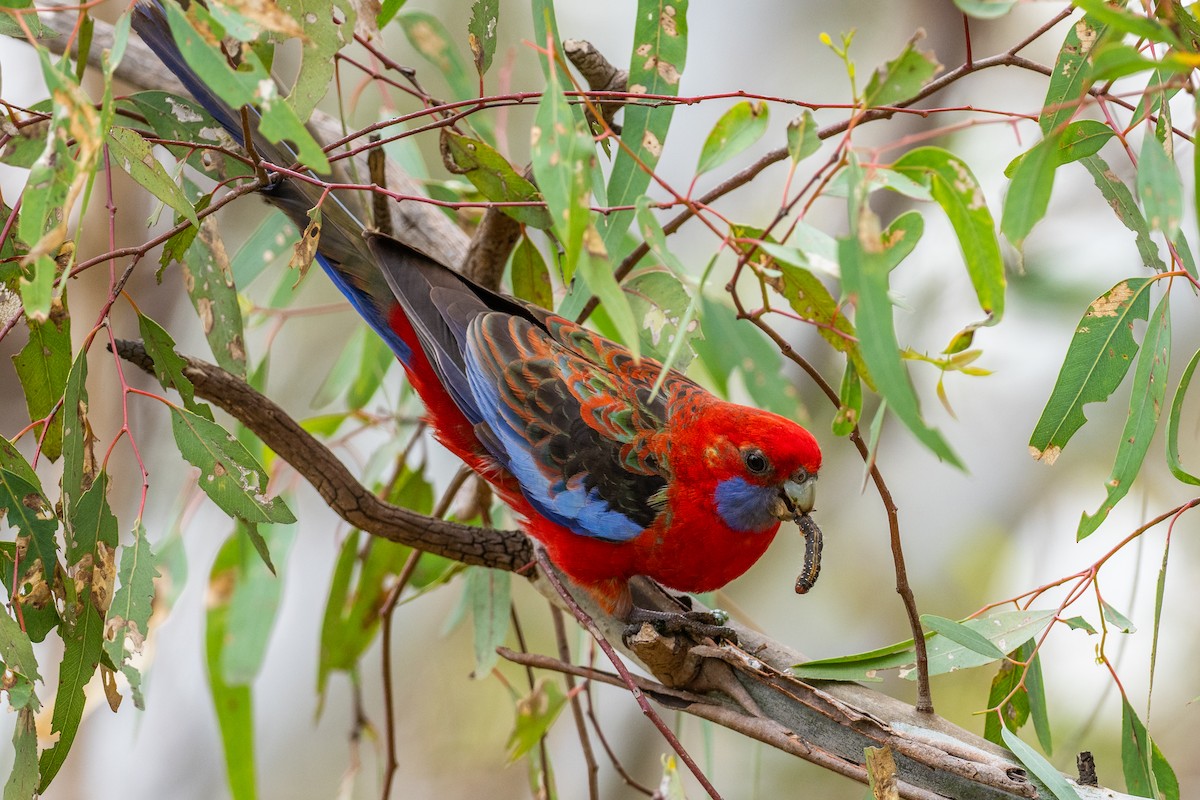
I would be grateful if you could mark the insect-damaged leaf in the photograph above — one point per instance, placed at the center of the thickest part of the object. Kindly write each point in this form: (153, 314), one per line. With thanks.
(1097, 359)
(1145, 407)
(250, 84)
(481, 33)
(956, 190)
(494, 177)
(208, 277)
(133, 154)
(229, 474)
(660, 40)
(42, 367)
(563, 158)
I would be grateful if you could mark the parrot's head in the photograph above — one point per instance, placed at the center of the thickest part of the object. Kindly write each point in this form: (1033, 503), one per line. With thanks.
(762, 467)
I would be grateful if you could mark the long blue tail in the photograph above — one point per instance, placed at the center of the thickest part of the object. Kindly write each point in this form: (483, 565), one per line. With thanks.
(342, 251)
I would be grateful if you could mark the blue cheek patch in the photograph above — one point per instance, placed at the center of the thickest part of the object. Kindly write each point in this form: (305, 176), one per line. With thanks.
(744, 506)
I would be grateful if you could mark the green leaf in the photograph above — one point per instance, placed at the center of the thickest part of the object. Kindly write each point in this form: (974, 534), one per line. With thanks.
(530, 276)
(481, 33)
(1160, 187)
(1116, 618)
(956, 190)
(58, 177)
(128, 617)
(387, 12)
(168, 365)
(1007, 684)
(31, 514)
(809, 298)
(351, 618)
(985, 9)
(489, 598)
(902, 77)
(1007, 630)
(867, 258)
(209, 281)
(377, 358)
(253, 606)
(23, 780)
(737, 129)
(536, 712)
(1039, 766)
(1146, 770)
(250, 84)
(16, 651)
(182, 119)
(1125, 21)
(596, 272)
(669, 310)
(1120, 199)
(731, 346)
(1029, 193)
(1080, 624)
(1097, 359)
(81, 655)
(323, 38)
(77, 437)
(850, 402)
(1145, 407)
(1072, 74)
(1078, 140)
(802, 137)
(1173, 461)
(233, 704)
(657, 61)
(494, 177)
(270, 242)
(42, 367)
(429, 37)
(563, 158)
(961, 634)
(1036, 689)
(133, 154)
(229, 474)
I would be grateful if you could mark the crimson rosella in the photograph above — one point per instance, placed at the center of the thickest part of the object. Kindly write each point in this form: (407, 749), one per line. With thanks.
(613, 478)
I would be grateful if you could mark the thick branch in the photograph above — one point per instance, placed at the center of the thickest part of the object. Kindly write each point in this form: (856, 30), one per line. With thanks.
(499, 549)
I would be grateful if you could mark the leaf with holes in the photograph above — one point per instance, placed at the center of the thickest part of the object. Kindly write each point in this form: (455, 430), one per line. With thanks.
(229, 474)
(1145, 407)
(1121, 200)
(656, 64)
(1099, 356)
(494, 177)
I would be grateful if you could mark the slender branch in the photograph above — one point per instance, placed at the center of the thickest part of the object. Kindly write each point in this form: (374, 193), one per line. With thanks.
(627, 679)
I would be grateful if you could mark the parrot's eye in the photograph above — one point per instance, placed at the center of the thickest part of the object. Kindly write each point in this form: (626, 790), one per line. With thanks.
(755, 461)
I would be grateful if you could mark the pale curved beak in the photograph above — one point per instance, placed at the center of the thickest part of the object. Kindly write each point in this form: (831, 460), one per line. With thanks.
(796, 497)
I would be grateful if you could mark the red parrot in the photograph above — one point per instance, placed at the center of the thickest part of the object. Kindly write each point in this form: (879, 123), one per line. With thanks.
(613, 479)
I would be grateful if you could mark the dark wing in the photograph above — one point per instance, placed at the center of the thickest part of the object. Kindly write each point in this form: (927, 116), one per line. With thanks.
(570, 414)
